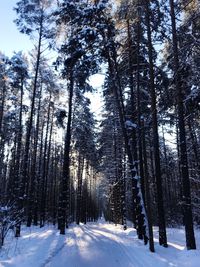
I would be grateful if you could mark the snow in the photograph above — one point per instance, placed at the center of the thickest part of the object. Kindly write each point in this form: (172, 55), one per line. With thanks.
(95, 245)
(129, 124)
(5, 208)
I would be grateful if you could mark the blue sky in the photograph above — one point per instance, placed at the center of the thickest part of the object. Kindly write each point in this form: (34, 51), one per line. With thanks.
(11, 39)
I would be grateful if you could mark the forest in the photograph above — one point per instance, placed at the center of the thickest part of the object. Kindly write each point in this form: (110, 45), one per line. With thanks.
(138, 160)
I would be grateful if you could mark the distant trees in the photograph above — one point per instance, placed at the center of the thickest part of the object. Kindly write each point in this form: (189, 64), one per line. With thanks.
(112, 157)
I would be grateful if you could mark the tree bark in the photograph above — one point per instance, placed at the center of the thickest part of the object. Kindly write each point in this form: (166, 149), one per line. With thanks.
(64, 192)
(24, 180)
(137, 201)
(186, 195)
(160, 205)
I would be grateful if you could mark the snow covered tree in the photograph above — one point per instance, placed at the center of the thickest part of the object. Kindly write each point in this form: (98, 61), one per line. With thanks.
(79, 63)
(18, 74)
(112, 156)
(186, 195)
(3, 107)
(83, 144)
(33, 19)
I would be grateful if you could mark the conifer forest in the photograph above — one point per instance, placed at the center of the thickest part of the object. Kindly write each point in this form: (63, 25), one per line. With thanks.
(133, 161)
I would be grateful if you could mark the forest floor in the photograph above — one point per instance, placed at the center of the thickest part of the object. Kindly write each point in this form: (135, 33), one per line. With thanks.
(95, 245)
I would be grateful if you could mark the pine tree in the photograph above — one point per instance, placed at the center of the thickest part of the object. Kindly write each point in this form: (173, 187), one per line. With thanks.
(33, 18)
(186, 198)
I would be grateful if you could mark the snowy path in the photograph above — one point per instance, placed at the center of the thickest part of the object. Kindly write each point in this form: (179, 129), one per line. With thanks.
(94, 245)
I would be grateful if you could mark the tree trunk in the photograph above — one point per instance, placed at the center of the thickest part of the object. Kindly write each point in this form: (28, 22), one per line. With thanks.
(34, 171)
(24, 179)
(186, 195)
(79, 189)
(45, 170)
(147, 191)
(3, 95)
(31, 197)
(64, 190)
(161, 213)
(137, 200)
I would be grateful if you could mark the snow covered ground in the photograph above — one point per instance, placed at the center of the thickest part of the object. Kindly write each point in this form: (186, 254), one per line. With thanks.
(95, 245)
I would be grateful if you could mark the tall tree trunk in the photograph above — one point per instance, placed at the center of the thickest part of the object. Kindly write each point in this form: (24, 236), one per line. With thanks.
(18, 157)
(45, 169)
(64, 190)
(49, 168)
(161, 213)
(2, 139)
(19, 147)
(79, 189)
(32, 195)
(186, 195)
(139, 112)
(24, 179)
(39, 175)
(55, 164)
(3, 96)
(137, 151)
(137, 200)
(147, 190)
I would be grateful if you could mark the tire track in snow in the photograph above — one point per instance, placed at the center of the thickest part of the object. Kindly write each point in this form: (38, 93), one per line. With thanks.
(118, 252)
(53, 254)
(134, 261)
(56, 251)
(83, 232)
(115, 246)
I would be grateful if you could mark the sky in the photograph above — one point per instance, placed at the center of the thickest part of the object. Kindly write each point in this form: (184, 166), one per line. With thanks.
(12, 40)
